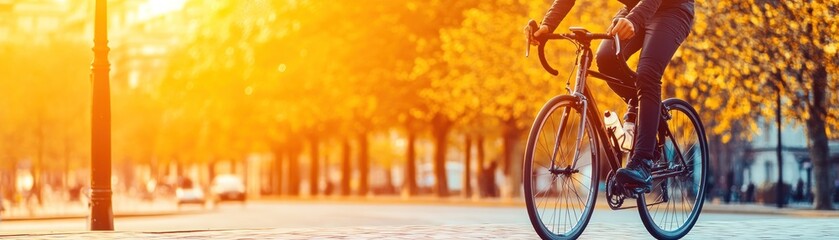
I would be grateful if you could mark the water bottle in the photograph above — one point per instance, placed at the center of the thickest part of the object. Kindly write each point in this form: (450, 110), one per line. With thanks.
(611, 120)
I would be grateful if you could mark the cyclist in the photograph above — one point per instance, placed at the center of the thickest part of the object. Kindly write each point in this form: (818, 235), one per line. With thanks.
(657, 28)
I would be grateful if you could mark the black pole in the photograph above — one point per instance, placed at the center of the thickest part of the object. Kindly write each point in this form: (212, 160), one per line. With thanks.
(101, 213)
(779, 187)
(809, 192)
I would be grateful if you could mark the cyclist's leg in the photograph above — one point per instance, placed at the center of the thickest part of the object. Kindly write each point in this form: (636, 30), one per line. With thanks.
(608, 63)
(664, 33)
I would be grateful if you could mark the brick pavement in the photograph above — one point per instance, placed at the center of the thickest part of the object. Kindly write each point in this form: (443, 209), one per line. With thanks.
(131, 207)
(812, 228)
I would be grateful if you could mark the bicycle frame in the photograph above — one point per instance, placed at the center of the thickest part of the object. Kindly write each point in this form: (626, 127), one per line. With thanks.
(582, 92)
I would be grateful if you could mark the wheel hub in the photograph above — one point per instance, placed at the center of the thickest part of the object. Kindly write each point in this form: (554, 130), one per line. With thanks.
(567, 171)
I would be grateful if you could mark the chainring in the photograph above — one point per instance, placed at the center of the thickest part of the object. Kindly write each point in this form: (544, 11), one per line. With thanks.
(614, 193)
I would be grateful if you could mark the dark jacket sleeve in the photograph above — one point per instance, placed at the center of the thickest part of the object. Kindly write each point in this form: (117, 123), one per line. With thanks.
(559, 9)
(642, 12)
(621, 13)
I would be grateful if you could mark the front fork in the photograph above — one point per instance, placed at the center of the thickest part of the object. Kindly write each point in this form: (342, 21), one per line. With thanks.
(562, 122)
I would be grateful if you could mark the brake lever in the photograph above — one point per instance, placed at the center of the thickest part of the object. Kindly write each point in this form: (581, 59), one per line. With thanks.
(531, 26)
(617, 39)
(617, 45)
(527, 43)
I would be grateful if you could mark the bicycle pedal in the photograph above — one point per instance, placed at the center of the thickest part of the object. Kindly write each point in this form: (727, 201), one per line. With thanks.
(642, 190)
(637, 189)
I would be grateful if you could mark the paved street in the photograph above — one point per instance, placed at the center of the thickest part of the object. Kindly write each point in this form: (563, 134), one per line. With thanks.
(302, 220)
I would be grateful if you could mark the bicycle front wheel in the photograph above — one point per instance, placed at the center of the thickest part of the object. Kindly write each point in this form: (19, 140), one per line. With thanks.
(560, 170)
(671, 209)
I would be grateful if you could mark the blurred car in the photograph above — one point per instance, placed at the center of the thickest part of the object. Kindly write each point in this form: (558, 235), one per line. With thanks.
(189, 193)
(228, 188)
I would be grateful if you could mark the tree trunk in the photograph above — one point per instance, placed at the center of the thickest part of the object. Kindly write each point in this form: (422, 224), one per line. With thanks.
(409, 185)
(512, 163)
(715, 172)
(314, 166)
(329, 187)
(278, 175)
(12, 187)
(346, 171)
(66, 175)
(363, 164)
(467, 167)
(38, 166)
(231, 164)
(211, 167)
(37, 183)
(440, 132)
(245, 172)
(491, 187)
(294, 170)
(389, 188)
(818, 141)
(483, 184)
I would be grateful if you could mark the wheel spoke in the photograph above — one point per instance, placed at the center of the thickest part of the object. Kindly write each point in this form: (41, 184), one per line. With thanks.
(683, 147)
(579, 199)
(554, 143)
(545, 199)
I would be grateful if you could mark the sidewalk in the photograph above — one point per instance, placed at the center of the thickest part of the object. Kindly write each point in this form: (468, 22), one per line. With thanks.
(480, 231)
(767, 209)
(800, 211)
(135, 208)
(122, 207)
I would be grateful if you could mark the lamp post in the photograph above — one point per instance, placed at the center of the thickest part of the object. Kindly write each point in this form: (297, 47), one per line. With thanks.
(101, 213)
(779, 187)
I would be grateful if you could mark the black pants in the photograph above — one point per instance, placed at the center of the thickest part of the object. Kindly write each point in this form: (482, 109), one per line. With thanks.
(658, 41)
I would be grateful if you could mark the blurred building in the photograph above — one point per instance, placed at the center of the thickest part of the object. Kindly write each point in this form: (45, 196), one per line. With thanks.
(760, 163)
(143, 34)
(42, 21)
(33, 21)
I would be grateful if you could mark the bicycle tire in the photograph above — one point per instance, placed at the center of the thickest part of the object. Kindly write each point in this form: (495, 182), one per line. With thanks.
(531, 178)
(652, 221)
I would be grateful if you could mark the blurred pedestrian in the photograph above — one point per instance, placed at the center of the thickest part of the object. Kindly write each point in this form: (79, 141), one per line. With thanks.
(750, 192)
(709, 189)
(734, 191)
(730, 188)
(799, 191)
(836, 190)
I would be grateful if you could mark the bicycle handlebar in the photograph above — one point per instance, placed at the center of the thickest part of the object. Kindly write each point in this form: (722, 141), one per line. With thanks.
(577, 36)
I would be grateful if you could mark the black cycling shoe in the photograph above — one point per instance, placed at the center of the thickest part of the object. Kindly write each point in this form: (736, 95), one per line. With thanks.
(637, 174)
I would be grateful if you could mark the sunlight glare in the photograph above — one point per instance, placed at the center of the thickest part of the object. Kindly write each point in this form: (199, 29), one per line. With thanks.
(157, 7)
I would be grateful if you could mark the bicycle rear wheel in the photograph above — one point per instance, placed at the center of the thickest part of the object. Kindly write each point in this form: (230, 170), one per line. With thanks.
(560, 193)
(671, 209)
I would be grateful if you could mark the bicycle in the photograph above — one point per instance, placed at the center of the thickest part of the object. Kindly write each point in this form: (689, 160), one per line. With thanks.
(568, 143)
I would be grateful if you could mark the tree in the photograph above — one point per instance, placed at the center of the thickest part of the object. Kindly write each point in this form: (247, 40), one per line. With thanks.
(493, 86)
(786, 47)
(43, 108)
